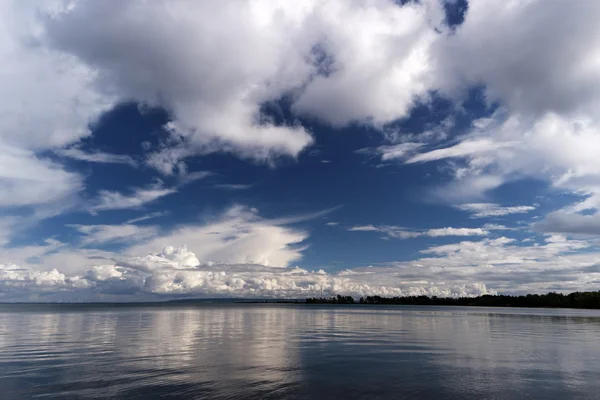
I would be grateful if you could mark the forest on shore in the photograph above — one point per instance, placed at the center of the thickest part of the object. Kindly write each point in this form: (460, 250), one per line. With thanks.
(590, 300)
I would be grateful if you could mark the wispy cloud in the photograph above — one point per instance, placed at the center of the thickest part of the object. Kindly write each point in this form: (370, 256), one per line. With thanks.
(232, 186)
(147, 217)
(137, 197)
(102, 234)
(398, 232)
(96, 156)
(109, 200)
(483, 210)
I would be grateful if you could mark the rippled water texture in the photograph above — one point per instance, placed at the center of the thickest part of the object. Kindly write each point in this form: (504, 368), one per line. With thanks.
(269, 351)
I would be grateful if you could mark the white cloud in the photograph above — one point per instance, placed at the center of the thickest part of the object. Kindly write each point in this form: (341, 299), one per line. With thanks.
(147, 217)
(462, 149)
(467, 188)
(373, 48)
(548, 64)
(456, 232)
(47, 102)
(175, 271)
(537, 59)
(170, 257)
(240, 236)
(398, 151)
(404, 233)
(48, 97)
(96, 157)
(545, 78)
(27, 180)
(363, 228)
(458, 269)
(215, 88)
(483, 210)
(332, 223)
(103, 234)
(138, 197)
(108, 200)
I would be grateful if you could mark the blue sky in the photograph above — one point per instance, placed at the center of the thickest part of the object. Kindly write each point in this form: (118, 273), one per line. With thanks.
(176, 148)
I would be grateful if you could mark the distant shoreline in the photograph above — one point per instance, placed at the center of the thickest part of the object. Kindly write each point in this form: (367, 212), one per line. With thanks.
(576, 300)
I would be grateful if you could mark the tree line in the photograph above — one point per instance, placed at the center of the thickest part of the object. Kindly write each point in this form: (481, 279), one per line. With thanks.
(573, 300)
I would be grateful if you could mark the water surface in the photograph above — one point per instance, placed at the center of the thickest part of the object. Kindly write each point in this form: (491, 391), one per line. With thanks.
(234, 351)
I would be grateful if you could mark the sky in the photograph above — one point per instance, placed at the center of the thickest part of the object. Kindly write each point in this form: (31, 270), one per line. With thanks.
(152, 150)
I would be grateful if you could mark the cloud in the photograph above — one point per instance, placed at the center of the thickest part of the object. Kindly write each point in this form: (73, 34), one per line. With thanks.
(543, 83)
(391, 152)
(456, 269)
(239, 236)
(462, 149)
(465, 268)
(569, 223)
(363, 228)
(214, 90)
(332, 223)
(169, 258)
(456, 232)
(138, 197)
(548, 64)
(483, 210)
(103, 234)
(48, 96)
(232, 186)
(109, 200)
(147, 217)
(404, 233)
(14, 278)
(27, 180)
(467, 188)
(96, 157)
(176, 272)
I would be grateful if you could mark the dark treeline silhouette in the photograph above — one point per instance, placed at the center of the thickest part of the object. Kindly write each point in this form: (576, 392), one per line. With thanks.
(573, 300)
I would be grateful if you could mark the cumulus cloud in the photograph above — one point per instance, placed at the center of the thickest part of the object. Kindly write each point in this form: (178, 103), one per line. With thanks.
(215, 89)
(239, 236)
(47, 101)
(170, 258)
(176, 272)
(547, 64)
(484, 210)
(465, 268)
(68, 62)
(13, 277)
(544, 81)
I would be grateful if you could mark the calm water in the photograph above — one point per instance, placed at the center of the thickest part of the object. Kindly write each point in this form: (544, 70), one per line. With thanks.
(297, 352)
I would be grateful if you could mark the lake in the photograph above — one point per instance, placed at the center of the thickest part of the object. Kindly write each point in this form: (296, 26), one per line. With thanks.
(269, 351)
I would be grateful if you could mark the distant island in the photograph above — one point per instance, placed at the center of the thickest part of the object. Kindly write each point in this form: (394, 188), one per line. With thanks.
(590, 300)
